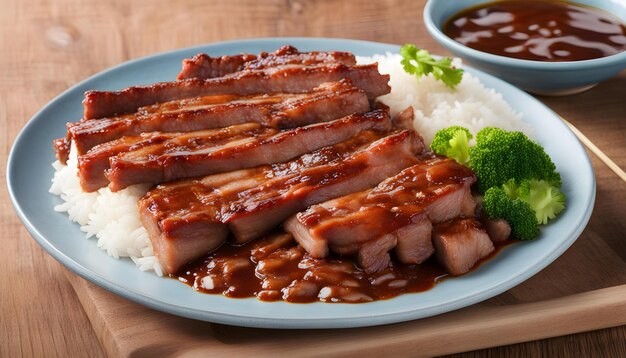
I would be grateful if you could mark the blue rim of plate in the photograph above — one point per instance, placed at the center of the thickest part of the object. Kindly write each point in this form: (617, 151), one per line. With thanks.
(509, 268)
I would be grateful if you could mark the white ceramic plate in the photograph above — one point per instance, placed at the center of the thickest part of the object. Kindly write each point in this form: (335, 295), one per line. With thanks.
(29, 173)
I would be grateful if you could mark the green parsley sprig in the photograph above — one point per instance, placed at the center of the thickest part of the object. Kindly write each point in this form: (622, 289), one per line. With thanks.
(418, 62)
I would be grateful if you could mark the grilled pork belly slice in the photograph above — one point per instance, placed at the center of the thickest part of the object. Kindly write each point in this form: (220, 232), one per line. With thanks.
(402, 207)
(412, 245)
(327, 102)
(169, 209)
(218, 188)
(175, 244)
(203, 66)
(180, 108)
(289, 55)
(190, 156)
(460, 244)
(92, 165)
(159, 157)
(61, 148)
(266, 206)
(279, 79)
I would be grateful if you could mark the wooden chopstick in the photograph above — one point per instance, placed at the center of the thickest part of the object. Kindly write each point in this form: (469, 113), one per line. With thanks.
(595, 150)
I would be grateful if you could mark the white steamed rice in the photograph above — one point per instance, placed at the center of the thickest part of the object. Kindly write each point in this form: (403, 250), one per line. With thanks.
(113, 218)
(471, 105)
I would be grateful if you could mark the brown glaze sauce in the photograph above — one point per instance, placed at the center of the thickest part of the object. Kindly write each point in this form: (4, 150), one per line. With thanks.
(538, 30)
(395, 202)
(196, 103)
(191, 200)
(161, 144)
(276, 268)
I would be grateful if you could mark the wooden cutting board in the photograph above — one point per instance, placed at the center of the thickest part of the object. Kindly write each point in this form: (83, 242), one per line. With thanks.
(127, 329)
(583, 290)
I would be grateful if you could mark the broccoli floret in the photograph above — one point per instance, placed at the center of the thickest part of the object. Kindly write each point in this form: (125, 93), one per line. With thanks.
(544, 198)
(453, 142)
(511, 188)
(521, 217)
(500, 155)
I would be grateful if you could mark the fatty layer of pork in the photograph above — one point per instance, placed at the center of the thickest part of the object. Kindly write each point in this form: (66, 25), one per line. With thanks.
(280, 79)
(193, 155)
(204, 66)
(189, 218)
(327, 102)
(398, 213)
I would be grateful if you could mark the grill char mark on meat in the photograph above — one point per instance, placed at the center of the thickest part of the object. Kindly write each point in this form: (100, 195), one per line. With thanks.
(177, 159)
(203, 66)
(435, 190)
(262, 192)
(267, 206)
(326, 102)
(62, 145)
(169, 208)
(281, 79)
(93, 164)
(227, 186)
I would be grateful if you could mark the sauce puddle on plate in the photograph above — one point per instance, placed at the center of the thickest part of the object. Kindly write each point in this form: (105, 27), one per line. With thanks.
(276, 268)
(538, 30)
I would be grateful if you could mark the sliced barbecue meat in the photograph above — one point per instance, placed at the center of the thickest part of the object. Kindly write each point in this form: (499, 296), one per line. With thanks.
(280, 79)
(252, 201)
(192, 155)
(460, 244)
(402, 207)
(203, 66)
(327, 102)
(93, 164)
(414, 241)
(289, 55)
(403, 119)
(266, 206)
(61, 148)
(171, 212)
(165, 111)
(498, 230)
(225, 186)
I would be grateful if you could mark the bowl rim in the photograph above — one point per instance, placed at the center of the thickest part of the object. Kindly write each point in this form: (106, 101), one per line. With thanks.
(448, 42)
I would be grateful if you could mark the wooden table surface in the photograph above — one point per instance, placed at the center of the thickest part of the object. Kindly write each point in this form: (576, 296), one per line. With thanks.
(46, 46)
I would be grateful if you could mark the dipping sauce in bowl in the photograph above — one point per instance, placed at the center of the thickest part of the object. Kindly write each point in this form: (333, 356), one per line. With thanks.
(539, 30)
